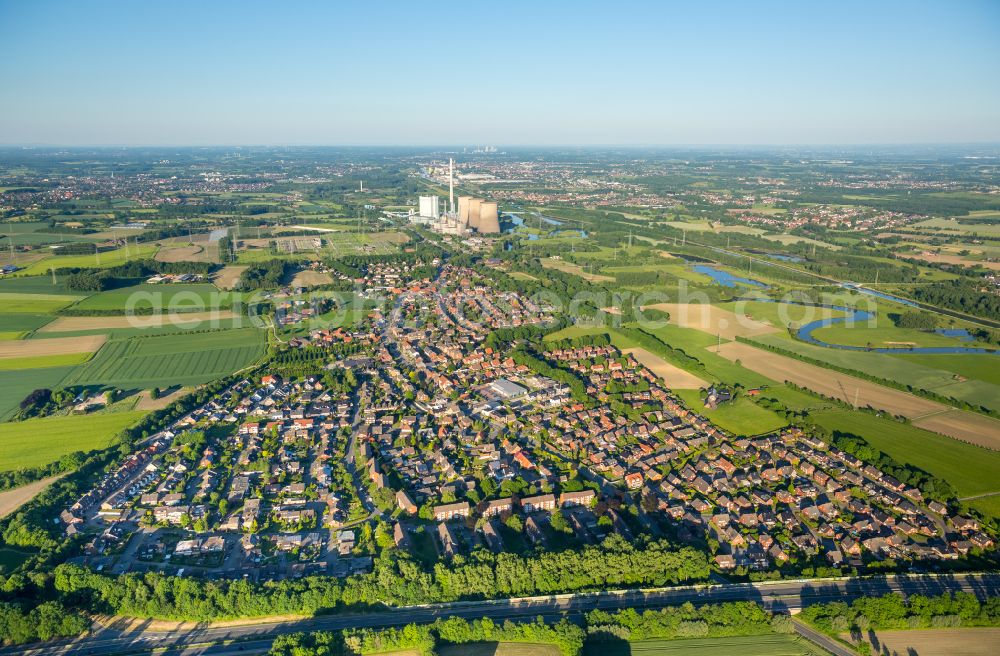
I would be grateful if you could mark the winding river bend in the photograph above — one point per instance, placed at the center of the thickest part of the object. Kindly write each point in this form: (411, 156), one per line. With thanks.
(805, 333)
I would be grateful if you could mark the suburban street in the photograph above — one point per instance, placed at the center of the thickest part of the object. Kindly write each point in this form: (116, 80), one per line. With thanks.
(778, 596)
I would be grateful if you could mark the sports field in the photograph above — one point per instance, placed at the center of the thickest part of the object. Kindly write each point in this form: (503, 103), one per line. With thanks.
(40, 441)
(178, 359)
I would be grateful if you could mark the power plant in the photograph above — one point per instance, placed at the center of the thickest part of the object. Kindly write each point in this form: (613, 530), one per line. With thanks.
(472, 214)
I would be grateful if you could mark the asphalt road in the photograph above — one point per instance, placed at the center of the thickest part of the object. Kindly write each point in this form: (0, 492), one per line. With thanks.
(779, 596)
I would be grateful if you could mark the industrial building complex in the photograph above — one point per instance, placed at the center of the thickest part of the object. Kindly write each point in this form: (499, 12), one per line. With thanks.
(472, 214)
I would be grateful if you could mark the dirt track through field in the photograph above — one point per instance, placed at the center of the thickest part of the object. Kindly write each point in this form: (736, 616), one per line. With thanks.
(69, 324)
(673, 376)
(712, 320)
(961, 425)
(11, 500)
(30, 348)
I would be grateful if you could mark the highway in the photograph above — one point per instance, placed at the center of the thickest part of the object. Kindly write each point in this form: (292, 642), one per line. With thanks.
(778, 596)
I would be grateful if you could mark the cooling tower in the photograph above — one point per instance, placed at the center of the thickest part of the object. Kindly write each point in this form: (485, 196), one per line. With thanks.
(489, 222)
(463, 209)
(474, 204)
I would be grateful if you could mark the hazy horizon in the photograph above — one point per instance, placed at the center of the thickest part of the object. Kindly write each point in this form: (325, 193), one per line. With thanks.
(632, 74)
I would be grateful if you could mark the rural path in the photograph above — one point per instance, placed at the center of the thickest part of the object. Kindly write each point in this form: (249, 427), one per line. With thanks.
(11, 500)
(822, 640)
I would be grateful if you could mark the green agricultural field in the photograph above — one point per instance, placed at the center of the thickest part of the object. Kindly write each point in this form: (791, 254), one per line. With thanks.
(154, 331)
(21, 322)
(38, 442)
(794, 399)
(33, 303)
(970, 469)
(103, 260)
(497, 649)
(15, 385)
(763, 645)
(36, 285)
(798, 239)
(740, 417)
(976, 367)
(43, 361)
(177, 359)
(182, 297)
(955, 226)
(914, 370)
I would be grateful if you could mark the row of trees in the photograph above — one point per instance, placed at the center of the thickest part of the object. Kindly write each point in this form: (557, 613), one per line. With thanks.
(892, 611)
(737, 618)
(46, 621)
(685, 621)
(396, 580)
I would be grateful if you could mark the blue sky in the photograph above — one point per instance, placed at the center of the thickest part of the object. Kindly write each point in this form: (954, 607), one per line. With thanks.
(540, 72)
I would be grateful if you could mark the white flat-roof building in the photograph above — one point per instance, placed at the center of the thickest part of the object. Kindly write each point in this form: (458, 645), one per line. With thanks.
(430, 207)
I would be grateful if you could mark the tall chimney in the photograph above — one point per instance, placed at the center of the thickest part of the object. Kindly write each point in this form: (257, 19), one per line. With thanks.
(451, 185)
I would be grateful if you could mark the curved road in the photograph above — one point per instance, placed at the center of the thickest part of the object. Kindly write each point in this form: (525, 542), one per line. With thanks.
(779, 596)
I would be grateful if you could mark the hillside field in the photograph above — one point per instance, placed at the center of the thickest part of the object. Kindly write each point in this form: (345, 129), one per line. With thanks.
(40, 441)
(179, 297)
(103, 260)
(177, 359)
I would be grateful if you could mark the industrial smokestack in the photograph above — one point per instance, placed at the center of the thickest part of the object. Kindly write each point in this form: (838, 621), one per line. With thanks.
(451, 185)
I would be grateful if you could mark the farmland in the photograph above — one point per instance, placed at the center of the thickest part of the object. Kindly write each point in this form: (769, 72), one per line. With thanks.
(100, 260)
(740, 417)
(50, 347)
(497, 649)
(17, 384)
(43, 361)
(110, 323)
(161, 298)
(34, 303)
(180, 359)
(942, 456)
(40, 441)
(763, 645)
(971, 641)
